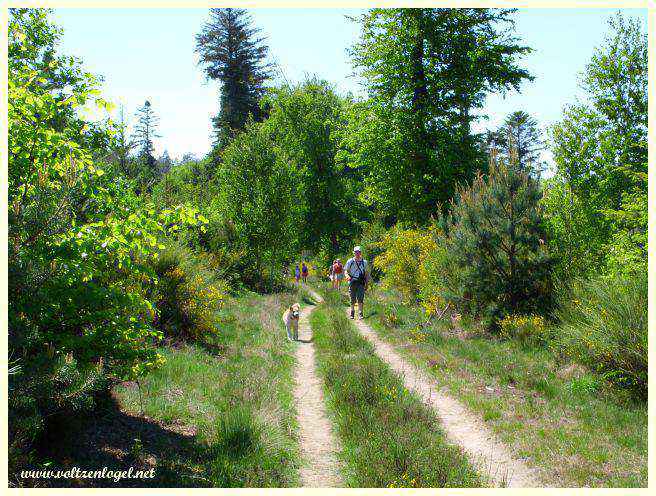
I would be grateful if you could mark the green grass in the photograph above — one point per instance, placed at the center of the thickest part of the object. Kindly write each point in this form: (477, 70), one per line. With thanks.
(388, 437)
(576, 428)
(216, 414)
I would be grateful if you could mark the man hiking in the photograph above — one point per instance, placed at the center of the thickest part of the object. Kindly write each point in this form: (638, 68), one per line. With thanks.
(357, 274)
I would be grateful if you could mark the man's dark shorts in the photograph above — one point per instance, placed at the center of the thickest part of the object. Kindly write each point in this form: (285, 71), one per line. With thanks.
(356, 291)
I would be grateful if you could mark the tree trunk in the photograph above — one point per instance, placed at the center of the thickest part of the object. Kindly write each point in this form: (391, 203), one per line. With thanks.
(420, 94)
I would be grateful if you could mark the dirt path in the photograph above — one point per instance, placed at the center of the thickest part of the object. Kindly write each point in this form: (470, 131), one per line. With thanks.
(318, 445)
(491, 457)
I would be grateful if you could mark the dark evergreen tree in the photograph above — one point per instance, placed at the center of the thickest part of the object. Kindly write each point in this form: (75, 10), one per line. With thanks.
(232, 52)
(497, 236)
(144, 134)
(520, 131)
(122, 145)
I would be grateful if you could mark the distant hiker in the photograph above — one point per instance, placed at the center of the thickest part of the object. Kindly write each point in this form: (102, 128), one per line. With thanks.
(336, 273)
(297, 274)
(304, 272)
(357, 273)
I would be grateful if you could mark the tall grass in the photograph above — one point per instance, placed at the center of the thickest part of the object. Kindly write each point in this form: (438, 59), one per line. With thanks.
(233, 391)
(603, 325)
(389, 438)
(578, 429)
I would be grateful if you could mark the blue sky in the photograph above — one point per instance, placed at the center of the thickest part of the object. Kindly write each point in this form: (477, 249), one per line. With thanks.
(149, 54)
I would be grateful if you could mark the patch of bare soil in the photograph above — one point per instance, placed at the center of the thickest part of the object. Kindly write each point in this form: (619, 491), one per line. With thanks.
(317, 442)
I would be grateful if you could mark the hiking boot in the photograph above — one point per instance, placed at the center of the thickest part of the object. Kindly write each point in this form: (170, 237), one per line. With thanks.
(360, 315)
(352, 314)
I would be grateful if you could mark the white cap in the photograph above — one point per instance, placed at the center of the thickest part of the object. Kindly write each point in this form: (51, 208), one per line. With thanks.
(357, 248)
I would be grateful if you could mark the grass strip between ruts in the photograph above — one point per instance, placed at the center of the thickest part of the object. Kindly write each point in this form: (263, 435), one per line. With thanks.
(389, 438)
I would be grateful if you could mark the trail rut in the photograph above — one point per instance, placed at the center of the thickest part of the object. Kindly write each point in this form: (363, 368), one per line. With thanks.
(490, 456)
(317, 442)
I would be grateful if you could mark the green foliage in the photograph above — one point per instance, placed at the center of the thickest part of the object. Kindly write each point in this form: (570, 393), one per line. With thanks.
(46, 388)
(306, 122)
(188, 294)
(498, 241)
(257, 197)
(520, 132)
(372, 233)
(79, 239)
(603, 325)
(401, 262)
(596, 214)
(530, 330)
(428, 72)
(145, 165)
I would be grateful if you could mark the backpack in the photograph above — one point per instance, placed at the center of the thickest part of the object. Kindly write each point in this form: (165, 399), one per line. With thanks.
(361, 277)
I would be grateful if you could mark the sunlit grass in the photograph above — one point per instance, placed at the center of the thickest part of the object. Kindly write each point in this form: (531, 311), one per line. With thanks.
(236, 395)
(570, 423)
(388, 437)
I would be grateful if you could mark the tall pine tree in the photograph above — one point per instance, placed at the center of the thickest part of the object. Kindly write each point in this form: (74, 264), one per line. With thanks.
(232, 52)
(144, 133)
(521, 132)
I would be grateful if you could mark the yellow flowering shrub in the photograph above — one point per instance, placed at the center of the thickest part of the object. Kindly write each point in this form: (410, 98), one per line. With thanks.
(528, 329)
(189, 293)
(401, 260)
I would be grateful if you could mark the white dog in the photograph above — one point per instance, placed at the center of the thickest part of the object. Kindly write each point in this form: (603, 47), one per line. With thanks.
(290, 318)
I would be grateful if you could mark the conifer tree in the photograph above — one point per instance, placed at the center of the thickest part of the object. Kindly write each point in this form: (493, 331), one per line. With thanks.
(232, 52)
(122, 144)
(144, 134)
(520, 131)
(498, 237)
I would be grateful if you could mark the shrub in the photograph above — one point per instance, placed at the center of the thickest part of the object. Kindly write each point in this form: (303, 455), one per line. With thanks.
(497, 238)
(54, 386)
(527, 329)
(372, 234)
(77, 314)
(603, 325)
(441, 283)
(188, 293)
(401, 260)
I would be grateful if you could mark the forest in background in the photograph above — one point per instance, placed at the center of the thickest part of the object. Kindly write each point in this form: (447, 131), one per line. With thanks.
(113, 250)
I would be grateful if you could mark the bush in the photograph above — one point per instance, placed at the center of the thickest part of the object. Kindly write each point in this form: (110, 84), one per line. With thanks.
(497, 240)
(527, 329)
(370, 240)
(441, 283)
(53, 386)
(188, 294)
(78, 236)
(603, 325)
(401, 259)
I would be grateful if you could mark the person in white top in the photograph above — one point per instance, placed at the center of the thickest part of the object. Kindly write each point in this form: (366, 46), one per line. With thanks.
(357, 274)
